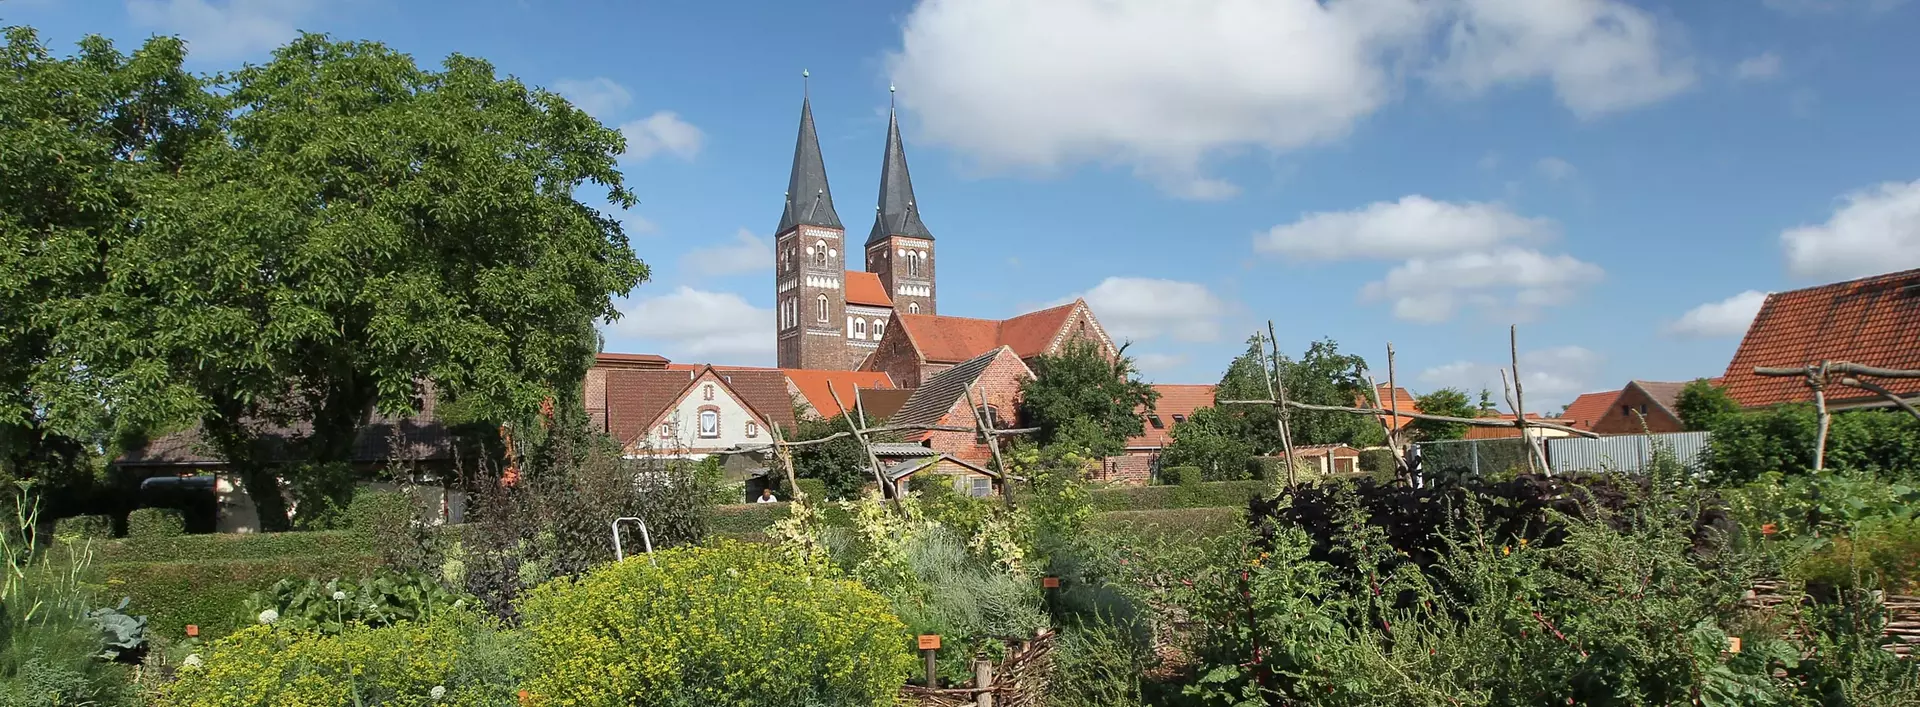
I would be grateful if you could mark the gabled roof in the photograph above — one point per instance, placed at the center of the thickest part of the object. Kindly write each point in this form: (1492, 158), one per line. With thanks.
(819, 387)
(1873, 321)
(1664, 393)
(934, 398)
(944, 339)
(809, 200)
(865, 288)
(1589, 408)
(1179, 400)
(636, 399)
(1392, 398)
(897, 214)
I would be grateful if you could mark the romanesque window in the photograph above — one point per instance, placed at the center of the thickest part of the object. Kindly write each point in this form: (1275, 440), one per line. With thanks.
(860, 328)
(709, 423)
(913, 307)
(820, 254)
(879, 327)
(821, 302)
(913, 263)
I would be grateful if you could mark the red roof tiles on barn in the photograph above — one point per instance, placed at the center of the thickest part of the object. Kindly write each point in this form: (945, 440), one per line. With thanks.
(1873, 321)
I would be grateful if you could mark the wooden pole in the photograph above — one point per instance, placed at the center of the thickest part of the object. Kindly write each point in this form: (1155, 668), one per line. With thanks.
(1277, 390)
(984, 423)
(1534, 448)
(853, 425)
(1818, 380)
(1476, 422)
(983, 680)
(1396, 438)
(785, 456)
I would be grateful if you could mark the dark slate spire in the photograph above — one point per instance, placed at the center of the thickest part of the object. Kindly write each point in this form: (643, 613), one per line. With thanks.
(809, 200)
(899, 214)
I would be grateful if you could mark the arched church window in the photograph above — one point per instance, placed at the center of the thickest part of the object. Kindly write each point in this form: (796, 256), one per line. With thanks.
(913, 263)
(913, 307)
(820, 254)
(879, 327)
(860, 328)
(825, 316)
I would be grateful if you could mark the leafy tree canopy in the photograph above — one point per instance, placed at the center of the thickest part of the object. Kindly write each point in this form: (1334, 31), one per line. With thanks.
(357, 226)
(840, 464)
(1701, 404)
(1081, 384)
(1451, 402)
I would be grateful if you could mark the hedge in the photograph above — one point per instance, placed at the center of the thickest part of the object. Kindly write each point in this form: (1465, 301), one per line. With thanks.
(1215, 494)
(211, 593)
(235, 546)
(744, 519)
(78, 528)
(1173, 523)
(156, 523)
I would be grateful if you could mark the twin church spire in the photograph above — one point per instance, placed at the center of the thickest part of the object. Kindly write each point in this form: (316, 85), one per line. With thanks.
(809, 200)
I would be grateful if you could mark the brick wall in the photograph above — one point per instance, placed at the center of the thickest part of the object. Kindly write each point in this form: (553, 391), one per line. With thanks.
(897, 358)
(1618, 421)
(998, 386)
(1131, 469)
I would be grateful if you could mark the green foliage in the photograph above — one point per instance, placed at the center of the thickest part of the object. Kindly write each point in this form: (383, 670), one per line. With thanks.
(155, 523)
(123, 638)
(371, 509)
(1818, 504)
(211, 593)
(83, 528)
(1215, 442)
(1782, 438)
(1081, 395)
(467, 657)
(1099, 663)
(1880, 553)
(1186, 524)
(235, 546)
(1701, 405)
(725, 624)
(840, 465)
(49, 642)
(1224, 440)
(1451, 402)
(816, 488)
(383, 599)
(1180, 475)
(1219, 494)
(1379, 462)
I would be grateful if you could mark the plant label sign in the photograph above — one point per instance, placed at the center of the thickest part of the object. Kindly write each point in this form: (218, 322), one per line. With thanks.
(930, 642)
(1050, 582)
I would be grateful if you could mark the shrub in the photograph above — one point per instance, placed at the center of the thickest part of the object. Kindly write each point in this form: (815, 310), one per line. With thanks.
(155, 523)
(1180, 475)
(814, 488)
(1885, 552)
(48, 638)
(1378, 462)
(80, 528)
(1194, 495)
(236, 546)
(1781, 439)
(384, 599)
(210, 594)
(719, 625)
(1173, 523)
(464, 654)
(370, 509)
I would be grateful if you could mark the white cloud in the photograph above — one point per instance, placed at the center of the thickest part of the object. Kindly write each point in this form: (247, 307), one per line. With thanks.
(218, 31)
(663, 131)
(1138, 308)
(1601, 56)
(1817, 6)
(1512, 283)
(1728, 317)
(1551, 377)
(699, 326)
(745, 253)
(1162, 87)
(1876, 230)
(1758, 68)
(600, 97)
(1413, 226)
(1555, 169)
(1152, 363)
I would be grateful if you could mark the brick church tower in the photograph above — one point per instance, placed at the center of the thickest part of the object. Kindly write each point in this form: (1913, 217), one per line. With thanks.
(810, 267)
(899, 248)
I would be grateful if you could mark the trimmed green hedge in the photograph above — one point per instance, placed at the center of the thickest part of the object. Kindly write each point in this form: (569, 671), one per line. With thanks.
(210, 594)
(1173, 523)
(740, 520)
(156, 523)
(235, 546)
(1216, 494)
(78, 528)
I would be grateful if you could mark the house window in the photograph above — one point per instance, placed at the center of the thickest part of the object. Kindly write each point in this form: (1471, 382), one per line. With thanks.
(1177, 419)
(666, 431)
(753, 429)
(982, 487)
(820, 254)
(709, 423)
(1156, 422)
(913, 307)
(821, 302)
(706, 392)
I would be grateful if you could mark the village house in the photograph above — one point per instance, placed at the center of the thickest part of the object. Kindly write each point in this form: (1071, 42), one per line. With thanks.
(1140, 463)
(1639, 408)
(1872, 321)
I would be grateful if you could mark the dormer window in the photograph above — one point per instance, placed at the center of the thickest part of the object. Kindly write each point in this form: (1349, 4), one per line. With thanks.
(1156, 422)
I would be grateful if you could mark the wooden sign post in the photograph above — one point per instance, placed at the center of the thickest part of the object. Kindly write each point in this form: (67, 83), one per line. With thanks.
(930, 649)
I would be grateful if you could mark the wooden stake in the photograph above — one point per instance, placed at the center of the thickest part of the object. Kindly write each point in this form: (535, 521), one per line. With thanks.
(981, 420)
(1277, 390)
(879, 477)
(1819, 380)
(785, 456)
(1520, 403)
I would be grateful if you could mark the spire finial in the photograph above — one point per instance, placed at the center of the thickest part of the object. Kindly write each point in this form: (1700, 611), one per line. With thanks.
(890, 92)
(806, 84)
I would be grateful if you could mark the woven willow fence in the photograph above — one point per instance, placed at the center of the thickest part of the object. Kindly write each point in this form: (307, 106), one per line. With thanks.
(1018, 681)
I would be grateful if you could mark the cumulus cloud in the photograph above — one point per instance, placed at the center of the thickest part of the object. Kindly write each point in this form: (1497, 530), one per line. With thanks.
(1555, 169)
(663, 131)
(600, 97)
(1138, 309)
(1512, 283)
(1601, 56)
(1551, 377)
(1413, 226)
(1874, 231)
(1161, 87)
(698, 326)
(1758, 68)
(745, 253)
(215, 30)
(1728, 317)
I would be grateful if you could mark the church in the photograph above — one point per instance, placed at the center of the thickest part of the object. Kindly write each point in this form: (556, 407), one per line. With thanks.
(885, 317)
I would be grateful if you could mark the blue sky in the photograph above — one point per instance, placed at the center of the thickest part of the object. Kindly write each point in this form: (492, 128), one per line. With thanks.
(1621, 178)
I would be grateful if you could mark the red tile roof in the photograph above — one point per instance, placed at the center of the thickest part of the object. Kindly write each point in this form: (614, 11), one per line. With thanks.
(1872, 321)
(635, 398)
(1392, 398)
(1179, 400)
(944, 339)
(864, 288)
(628, 360)
(1589, 408)
(815, 386)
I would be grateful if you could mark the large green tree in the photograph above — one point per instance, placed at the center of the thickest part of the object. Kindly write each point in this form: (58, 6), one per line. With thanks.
(1451, 402)
(1223, 440)
(840, 463)
(82, 140)
(1081, 396)
(1701, 405)
(365, 228)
